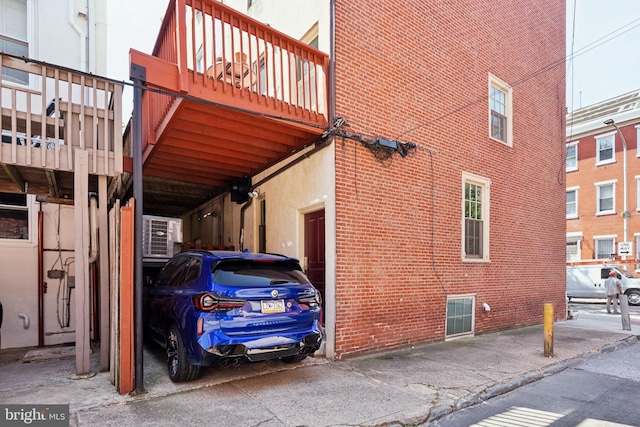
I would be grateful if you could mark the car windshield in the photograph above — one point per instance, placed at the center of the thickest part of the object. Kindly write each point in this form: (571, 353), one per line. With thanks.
(244, 273)
(625, 273)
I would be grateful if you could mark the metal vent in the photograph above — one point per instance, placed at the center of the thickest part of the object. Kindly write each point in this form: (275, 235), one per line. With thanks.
(159, 235)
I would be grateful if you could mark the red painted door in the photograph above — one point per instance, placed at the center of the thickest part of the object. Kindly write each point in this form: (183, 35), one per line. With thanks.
(314, 250)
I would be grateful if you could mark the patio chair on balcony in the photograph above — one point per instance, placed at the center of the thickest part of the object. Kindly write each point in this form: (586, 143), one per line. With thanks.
(237, 73)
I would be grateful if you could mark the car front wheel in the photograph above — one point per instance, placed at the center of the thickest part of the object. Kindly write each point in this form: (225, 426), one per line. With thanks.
(179, 369)
(633, 297)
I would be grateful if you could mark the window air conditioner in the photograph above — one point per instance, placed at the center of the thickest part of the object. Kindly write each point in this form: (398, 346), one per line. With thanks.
(159, 236)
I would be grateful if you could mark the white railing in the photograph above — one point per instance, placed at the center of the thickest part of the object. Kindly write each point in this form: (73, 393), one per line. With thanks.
(47, 112)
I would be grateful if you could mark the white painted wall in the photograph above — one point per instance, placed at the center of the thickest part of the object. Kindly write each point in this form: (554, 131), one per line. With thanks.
(19, 286)
(292, 17)
(19, 283)
(57, 33)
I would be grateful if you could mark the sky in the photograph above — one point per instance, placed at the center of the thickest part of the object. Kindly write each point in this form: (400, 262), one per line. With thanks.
(606, 46)
(605, 43)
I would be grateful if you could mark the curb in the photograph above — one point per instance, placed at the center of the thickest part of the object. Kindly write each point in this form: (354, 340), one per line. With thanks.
(527, 378)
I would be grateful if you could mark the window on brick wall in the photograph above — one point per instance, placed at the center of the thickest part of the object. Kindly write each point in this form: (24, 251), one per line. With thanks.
(500, 111)
(460, 315)
(636, 239)
(572, 157)
(605, 152)
(572, 202)
(13, 36)
(573, 246)
(605, 197)
(573, 253)
(475, 213)
(14, 216)
(605, 247)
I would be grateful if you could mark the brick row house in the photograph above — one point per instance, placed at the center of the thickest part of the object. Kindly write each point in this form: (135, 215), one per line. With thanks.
(602, 188)
(407, 153)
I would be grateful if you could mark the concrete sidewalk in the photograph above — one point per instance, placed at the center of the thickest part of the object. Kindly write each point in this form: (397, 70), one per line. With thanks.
(405, 387)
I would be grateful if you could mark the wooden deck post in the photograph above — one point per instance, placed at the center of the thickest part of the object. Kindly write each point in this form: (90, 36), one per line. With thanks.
(103, 260)
(126, 300)
(81, 217)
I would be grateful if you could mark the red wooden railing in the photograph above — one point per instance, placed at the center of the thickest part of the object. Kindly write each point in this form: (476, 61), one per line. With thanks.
(221, 54)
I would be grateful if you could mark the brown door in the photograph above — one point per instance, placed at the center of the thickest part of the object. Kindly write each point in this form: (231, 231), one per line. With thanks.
(314, 250)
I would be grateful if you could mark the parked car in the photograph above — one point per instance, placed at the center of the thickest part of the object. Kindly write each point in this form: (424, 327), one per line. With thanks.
(227, 307)
(587, 281)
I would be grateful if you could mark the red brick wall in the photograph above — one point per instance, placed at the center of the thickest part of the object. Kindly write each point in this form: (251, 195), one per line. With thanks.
(403, 65)
(588, 174)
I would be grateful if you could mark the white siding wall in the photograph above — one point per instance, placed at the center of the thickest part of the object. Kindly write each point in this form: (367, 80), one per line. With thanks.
(57, 32)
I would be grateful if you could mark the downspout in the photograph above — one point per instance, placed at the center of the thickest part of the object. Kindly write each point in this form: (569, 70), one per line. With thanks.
(81, 34)
(93, 255)
(93, 224)
(90, 38)
(332, 63)
(40, 277)
(244, 208)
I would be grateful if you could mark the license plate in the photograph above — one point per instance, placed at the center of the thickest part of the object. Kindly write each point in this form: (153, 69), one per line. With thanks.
(272, 306)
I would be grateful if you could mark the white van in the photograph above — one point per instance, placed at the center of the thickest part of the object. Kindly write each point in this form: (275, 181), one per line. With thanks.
(587, 281)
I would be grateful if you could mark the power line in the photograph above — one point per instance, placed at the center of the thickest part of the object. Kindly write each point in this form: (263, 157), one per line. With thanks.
(548, 67)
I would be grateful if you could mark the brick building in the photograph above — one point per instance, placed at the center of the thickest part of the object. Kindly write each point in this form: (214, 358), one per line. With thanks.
(596, 179)
(442, 192)
(437, 75)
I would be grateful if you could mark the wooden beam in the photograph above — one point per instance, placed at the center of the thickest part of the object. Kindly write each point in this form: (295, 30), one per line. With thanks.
(160, 73)
(54, 188)
(126, 353)
(81, 254)
(186, 177)
(15, 176)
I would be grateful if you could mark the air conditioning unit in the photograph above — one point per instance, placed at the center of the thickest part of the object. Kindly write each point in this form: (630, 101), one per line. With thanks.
(160, 236)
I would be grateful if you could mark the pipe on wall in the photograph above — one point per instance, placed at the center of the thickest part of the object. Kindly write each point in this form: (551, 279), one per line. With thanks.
(93, 225)
(25, 320)
(40, 277)
(81, 35)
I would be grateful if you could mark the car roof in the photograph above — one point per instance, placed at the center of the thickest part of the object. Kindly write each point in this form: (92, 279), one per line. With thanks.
(240, 255)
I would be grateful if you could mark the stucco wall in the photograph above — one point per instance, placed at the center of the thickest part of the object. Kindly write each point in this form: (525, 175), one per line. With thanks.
(19, 283)
(57, 34)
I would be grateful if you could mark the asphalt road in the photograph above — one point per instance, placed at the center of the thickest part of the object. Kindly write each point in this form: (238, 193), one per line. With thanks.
(602, 391)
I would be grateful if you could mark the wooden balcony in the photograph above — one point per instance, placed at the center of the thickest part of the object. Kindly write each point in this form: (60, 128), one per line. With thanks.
(48, 112)
(234, 95)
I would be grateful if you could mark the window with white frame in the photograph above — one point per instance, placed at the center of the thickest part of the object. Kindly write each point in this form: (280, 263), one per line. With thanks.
(573, 246)
(572, 202)
(306, 73)
(13, 36)
(475, 212)
(605, 247)
(572, 157)
(605, 149)
(636, 247)
(460, 315)
(14, 216)
(572, 251)
(605, 197)
(637, 177)
(500, 95)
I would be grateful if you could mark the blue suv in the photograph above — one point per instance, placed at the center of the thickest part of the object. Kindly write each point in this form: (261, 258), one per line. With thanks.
(226, 307)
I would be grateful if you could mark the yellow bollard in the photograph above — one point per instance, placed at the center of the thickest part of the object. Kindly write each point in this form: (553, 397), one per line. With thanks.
(548, 330)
